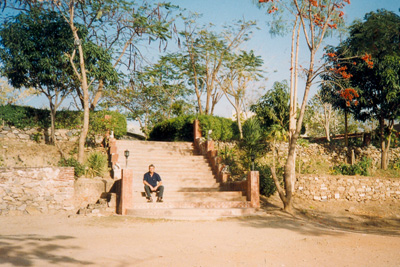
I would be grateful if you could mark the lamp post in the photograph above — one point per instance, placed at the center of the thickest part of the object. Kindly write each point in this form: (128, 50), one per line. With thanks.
(126, 153)
(253, 157)
(197, 112)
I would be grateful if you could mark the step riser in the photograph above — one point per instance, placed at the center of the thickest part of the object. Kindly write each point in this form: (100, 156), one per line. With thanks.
(137, 198)
(191, 190)
(189, 213)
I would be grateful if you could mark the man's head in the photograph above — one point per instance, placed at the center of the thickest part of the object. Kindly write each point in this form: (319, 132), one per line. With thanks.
(151, 168)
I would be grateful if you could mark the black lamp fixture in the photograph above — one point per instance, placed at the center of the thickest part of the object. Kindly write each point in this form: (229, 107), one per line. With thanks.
(126, 153)
(253, 157)
(197, 112)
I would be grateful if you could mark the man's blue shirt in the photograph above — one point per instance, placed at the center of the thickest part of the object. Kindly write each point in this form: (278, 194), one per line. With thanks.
(152, 180)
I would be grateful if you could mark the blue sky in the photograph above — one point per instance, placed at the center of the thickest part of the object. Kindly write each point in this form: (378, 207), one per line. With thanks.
(275, 51)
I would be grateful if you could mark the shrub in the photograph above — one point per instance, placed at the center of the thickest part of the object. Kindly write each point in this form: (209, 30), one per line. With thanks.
(176, 129)
(100, 125)
(22, 117)
(267, 185)
(360, 168)
(96, 165)
(79, 169)
(253, 142)
(223, 129)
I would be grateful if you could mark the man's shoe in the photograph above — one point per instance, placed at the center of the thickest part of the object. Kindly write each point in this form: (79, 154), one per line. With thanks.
(149, 200)
(159, 199)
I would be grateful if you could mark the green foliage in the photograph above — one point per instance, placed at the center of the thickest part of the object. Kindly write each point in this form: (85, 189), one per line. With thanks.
(181, 128)
(267, 185)
(176, 129)
(99, 124)
(303, 142)
(253, 142)
(79, 169)
(360, 168)
(223, 129)
(229, 156)
(37, 137)
(24, 117)
(96, 165)
(273, 107)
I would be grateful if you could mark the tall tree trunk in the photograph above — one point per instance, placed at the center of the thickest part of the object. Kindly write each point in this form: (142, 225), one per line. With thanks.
(346, 137)
(327, 116)
(239, 122)
(53, 123)
(384, 150)
(97, 95)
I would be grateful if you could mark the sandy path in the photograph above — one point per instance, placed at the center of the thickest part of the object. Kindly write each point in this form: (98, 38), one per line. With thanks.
(267, 240)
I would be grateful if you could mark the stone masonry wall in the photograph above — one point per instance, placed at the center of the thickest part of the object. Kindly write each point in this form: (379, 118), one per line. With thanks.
(10, 132)
(36, 190)
(352, 188)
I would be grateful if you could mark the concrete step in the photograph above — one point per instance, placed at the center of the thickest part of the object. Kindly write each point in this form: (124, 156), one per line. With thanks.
(177, 168)
(139, 197)
(191, 205)
(190, 213)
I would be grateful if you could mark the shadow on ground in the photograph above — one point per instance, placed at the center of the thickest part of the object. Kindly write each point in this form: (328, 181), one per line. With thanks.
(24, 250)
(317, 222)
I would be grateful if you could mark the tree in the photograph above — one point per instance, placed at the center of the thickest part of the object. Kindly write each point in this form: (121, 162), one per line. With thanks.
(375, 71)
(155, 94)
(315, 18)
(116, 26)
(204, 54)
(321, 112)
(240, 71)
(273, 107)
(33, 48)
(8, 94)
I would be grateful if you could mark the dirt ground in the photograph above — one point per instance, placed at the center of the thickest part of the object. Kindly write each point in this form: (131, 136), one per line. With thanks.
(271, 238)
(318, 234)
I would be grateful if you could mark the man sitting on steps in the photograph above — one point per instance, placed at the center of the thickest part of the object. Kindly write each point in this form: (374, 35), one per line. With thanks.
(152, 183)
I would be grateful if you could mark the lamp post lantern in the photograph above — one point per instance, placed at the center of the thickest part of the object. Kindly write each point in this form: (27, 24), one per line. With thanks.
(253, 157)
(126, 153)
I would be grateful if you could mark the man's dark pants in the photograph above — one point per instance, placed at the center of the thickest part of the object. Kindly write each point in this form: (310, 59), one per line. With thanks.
(160, 191)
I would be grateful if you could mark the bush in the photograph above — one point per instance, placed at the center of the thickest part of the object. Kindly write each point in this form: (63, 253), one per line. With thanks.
(79, 169)
(24, 117)
(223, 129)
(176, 129)
(253, 142)
(99, 125)
(96, 165)
(267, 185)
(360, 168)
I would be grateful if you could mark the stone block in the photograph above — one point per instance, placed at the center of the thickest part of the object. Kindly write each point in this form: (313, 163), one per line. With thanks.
(32, 210)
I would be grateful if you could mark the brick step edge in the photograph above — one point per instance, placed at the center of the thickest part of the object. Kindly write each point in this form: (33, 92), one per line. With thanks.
(191, 205)
(191, 214)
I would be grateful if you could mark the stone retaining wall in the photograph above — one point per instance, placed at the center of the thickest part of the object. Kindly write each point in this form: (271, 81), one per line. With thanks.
(352, 188)
(36, 190)
(7, 132)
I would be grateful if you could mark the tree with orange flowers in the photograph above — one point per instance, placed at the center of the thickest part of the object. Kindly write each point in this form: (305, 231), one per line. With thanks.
(368, 61)
(312, 20)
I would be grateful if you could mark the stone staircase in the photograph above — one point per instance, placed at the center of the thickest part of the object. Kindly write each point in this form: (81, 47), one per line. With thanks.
(191, 191)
